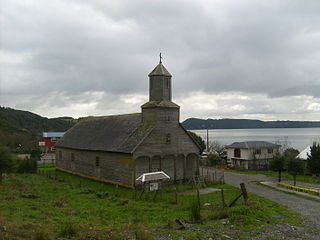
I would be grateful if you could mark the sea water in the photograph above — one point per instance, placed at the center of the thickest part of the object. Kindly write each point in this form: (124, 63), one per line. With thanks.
(298, 138)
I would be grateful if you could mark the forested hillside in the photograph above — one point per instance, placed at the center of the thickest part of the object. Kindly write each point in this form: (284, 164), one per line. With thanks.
(21, 130)
(196, 123)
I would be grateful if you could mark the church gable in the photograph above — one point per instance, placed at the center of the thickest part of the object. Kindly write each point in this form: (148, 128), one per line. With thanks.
(167, 139)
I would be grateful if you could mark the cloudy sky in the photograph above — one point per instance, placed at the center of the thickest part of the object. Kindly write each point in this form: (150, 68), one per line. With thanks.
(229, 58)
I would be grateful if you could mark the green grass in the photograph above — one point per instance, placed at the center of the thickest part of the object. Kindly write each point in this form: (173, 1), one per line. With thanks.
(36, 207)
(300, 178)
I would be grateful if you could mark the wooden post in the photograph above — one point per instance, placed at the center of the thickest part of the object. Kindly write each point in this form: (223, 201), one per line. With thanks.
(155, 195)
(175, 195)
(198, 197)
(235, 200)
(244, 193)
(222, 198)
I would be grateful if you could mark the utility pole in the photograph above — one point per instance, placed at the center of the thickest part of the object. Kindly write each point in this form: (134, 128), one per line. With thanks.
(207, 139)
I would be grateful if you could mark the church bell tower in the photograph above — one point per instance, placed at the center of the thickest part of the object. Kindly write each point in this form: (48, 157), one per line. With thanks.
(160, 107)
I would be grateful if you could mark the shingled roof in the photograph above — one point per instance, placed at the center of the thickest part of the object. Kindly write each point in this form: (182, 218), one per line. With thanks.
(160, 70)
(253, 144)
(119, 133)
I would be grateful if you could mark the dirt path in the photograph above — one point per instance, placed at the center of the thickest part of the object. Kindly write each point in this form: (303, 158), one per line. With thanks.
(309, 209)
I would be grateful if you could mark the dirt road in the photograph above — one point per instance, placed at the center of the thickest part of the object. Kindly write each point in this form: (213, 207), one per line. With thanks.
(309, 209)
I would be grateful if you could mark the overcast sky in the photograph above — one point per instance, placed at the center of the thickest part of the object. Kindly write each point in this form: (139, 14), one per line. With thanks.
(229, 58)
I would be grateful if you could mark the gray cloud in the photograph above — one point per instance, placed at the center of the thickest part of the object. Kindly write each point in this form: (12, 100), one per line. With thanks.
(72, 50)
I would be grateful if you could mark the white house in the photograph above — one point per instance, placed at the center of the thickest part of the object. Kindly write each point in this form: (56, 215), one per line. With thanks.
(304, 153)
(251, 154)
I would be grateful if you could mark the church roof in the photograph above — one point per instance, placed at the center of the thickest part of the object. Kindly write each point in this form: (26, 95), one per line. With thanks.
(118, 133)
(164, 103)
(160, 70)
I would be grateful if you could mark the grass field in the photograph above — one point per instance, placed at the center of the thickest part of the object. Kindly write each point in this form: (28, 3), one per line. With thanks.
(36, 207)
(300, 178)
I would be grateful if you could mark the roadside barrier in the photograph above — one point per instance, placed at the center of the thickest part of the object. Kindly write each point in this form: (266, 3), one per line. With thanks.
(305, 189)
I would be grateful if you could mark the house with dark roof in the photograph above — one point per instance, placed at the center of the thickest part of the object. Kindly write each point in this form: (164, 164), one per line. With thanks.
(118, 149)
(252, 154)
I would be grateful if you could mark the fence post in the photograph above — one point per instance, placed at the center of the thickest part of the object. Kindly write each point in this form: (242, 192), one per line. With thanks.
(244, 193)
(222, 198)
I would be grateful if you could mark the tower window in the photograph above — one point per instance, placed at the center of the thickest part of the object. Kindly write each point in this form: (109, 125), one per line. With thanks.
(97, 162)
(168, 138)
(168, 82)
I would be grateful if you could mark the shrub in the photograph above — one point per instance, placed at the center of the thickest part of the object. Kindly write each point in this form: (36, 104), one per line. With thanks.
(67, 230)
(27, 166)
(6, 161)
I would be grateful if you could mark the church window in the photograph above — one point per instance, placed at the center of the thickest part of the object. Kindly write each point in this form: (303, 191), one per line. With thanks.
(168, 138)
(72, 157)
(167, 82)
(97, 162)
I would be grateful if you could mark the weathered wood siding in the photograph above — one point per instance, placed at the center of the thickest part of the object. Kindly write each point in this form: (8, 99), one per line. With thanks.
(177, 157)
(114, 167)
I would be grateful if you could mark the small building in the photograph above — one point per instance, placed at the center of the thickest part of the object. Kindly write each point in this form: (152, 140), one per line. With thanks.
(49, 139)
(118, 149)
(47, 146)
(253, 155)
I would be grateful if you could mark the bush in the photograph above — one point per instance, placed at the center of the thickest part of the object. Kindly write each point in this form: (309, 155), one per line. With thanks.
(313, 160)
(27, 166)
(6, 161)
(214, 160)
(67, 230)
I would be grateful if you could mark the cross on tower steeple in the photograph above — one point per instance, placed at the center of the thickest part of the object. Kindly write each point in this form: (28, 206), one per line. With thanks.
(160, 58)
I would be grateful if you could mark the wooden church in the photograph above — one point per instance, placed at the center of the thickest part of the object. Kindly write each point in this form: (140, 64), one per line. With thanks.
(118, 149)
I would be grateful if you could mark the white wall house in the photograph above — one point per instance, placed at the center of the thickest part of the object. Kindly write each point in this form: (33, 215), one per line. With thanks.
(251, 154)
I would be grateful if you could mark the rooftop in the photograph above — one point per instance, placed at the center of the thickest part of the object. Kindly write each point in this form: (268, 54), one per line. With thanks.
(117, 133)
(160, 70)
(52, 134)
(153, 176)
(253, 144)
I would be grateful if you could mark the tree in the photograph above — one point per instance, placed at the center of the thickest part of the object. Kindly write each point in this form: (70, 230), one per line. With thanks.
(290, 153)
(217, 153)
(198, 140)
(217, 148)
(294, 167)
(313, 160)
(6, 161)
(278, 164)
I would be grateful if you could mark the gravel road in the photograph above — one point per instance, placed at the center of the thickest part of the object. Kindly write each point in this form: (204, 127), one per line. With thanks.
(309, 209)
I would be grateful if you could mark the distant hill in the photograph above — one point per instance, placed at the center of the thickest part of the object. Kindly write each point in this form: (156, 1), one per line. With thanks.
(24, 128)
(196, 123)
